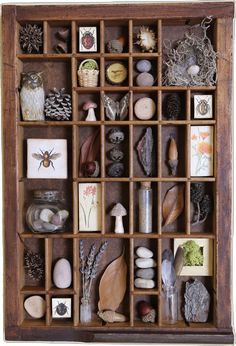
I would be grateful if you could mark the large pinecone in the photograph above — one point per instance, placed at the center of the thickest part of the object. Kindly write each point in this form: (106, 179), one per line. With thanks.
(31, 38)
(58, 105)
(197, 192)
(173, 106)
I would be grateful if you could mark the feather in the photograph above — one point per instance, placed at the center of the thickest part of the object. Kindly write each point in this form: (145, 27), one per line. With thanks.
(168, 273)
(168, 254)
(179, 260)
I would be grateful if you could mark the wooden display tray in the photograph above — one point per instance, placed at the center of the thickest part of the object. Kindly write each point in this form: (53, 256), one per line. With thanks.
(170, 22)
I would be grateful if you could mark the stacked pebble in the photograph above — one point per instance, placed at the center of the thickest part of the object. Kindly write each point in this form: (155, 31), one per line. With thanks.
(144, 78)
(145, 272)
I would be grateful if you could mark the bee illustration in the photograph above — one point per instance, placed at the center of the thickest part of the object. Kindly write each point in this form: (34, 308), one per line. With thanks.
(46, 157)
(62, 309)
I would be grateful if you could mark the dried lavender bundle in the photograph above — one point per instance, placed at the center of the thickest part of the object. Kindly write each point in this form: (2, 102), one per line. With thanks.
(34, 265)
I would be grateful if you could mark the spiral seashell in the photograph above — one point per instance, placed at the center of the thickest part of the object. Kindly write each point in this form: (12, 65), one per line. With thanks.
(111, 316)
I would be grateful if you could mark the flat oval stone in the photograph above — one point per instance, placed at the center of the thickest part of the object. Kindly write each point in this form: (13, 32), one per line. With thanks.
(144, 252)
(46, 215)
(35, 306)
(62, 276)
(145, 79)
(148, 273)
(145, 108)
(145, 263)
(143, 65)
(143, 283)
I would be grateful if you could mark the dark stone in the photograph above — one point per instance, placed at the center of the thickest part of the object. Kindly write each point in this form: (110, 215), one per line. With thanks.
(116, 136)
(115, 169)
(197, 302)
(116, 154)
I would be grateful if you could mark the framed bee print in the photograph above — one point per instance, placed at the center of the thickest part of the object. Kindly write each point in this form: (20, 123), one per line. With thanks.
(202, 149)
(203, 107)
(88, 39)
(46, 158)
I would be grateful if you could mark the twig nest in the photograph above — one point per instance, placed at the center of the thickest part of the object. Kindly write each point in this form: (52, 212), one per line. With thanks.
(145, 108)
(145, 79)
(143, 65)
(193, 70)
(116, 136)
(35, 306)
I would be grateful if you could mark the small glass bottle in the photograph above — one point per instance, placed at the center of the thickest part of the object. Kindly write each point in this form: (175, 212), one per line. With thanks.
(85, 311)
(145, 207)
(47, 212)
(170, 304)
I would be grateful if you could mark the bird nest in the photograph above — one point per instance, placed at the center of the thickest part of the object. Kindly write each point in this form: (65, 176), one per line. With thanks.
(192, 62)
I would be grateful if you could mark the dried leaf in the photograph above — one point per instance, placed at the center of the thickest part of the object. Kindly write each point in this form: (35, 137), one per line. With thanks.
(89, 150)
(179, 260)
(112, 286)
(173, 204)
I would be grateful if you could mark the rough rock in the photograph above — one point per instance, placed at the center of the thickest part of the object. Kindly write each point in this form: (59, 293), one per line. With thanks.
(62, 276)
(197, 302)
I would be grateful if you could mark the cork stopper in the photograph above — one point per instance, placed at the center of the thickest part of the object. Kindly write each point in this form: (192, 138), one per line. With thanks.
(145, 184)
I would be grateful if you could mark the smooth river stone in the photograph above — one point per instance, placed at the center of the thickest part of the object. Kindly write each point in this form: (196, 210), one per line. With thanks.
(148, 273)
(62, 276)
(35, 306)
(143, 283)
(46, 215)
(143, 65)
(144, 252)
(145, 108)
(145, 79)
(145, 263)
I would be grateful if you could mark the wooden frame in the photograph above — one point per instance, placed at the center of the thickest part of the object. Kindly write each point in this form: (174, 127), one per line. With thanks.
(16, 186)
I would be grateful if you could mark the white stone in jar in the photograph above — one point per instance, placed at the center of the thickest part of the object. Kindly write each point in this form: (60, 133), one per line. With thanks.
(145, 108)
(144, 283)
(145, 262)
(46, 215)
(144, 252)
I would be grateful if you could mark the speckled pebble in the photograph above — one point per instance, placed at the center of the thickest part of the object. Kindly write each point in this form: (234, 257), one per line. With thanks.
(145, 79)
(143, 65)
(143, 283)
(148, 273)
(115, 169)
(145, 263)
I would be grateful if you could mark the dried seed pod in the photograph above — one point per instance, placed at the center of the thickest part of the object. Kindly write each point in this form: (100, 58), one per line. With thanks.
(34, 265)
(31, 38)
(173, 156)
(173, 106)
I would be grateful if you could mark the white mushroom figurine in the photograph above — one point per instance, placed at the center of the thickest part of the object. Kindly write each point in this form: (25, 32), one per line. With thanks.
(118, 211)
(89, 106)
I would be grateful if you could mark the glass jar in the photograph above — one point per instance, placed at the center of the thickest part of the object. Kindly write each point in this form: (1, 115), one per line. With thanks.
(47, 212)
(145, 207)
(170, 304)
(85, 311)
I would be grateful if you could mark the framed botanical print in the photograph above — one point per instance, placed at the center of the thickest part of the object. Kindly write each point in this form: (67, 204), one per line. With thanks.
(89, 207)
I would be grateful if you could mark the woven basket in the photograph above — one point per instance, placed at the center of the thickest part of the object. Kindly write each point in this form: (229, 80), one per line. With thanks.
(88, 78)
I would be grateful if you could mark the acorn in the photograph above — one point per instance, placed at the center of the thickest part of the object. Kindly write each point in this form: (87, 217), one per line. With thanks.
(146, 312)
(91, 169)
(173, 156)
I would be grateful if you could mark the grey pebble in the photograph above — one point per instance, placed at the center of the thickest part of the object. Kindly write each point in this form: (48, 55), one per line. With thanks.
(49, 227)
(148, 273)
(143, 65)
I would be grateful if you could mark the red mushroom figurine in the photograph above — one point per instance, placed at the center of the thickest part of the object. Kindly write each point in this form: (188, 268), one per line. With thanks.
(89, 106)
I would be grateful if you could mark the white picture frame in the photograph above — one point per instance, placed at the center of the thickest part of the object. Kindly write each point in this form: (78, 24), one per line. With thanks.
(203, 106)
(61, 308)
(202, 151)
(90, 212)
(47, 158)
(87, 39)
(207, 250)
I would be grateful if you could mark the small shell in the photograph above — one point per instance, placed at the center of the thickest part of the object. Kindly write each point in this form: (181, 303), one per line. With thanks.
(111, 316)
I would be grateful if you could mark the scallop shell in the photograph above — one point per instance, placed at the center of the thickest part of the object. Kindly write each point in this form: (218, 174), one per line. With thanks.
(146, 39)
(111, 316)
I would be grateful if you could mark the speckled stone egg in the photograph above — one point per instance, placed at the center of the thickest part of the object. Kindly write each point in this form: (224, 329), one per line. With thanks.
(116, 136)
(115, 169)
(115, 154)
(145, 79)
(143, 66)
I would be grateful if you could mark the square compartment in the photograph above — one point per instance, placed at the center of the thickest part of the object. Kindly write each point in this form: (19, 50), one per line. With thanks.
(59, 37)
(117, 72)
(153, 71)
(137, 24)
(20, 25)
(181, 97)
(117, 97)
(115, 30)
(82, 98)
(153, 301)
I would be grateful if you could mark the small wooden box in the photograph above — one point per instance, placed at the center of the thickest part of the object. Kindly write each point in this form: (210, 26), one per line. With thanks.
(170, 22)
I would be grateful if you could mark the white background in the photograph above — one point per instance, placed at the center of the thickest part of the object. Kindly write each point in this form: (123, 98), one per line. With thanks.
(1, 249)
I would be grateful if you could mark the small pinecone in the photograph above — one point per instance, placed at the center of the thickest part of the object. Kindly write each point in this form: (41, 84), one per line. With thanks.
(197, 192)
(58, 105)
(205, 207)
(34, 265)
(31, 38)
(173, 106)
(150, 317)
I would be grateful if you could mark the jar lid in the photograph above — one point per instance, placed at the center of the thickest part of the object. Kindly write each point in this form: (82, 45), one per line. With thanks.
(48, 195)
(146, 184)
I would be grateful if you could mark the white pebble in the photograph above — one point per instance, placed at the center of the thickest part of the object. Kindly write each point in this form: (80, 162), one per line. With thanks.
(62, 275)
(144, 252)
(63, 214)
(46, 215)
(145, 263)
(144, 283)
(193, 70)
(35, 306)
